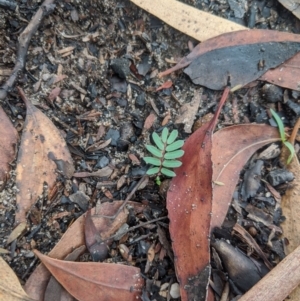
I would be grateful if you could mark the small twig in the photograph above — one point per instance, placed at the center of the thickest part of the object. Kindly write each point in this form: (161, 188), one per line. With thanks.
(126, 200)
(65, 125)
(29, 268)
(24, 40)
(294, 132)
(135, 227)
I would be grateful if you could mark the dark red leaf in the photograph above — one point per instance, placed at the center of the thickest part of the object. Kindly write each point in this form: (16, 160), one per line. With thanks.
(189, 203)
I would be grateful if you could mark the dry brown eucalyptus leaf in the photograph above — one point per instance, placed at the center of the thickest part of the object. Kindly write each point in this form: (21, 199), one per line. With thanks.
(94, 281)
(41, 145)
(74, 237)
(10, 287)
(189, 20)
(8, 141)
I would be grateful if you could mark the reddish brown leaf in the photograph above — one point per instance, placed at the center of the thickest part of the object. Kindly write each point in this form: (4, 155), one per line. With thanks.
(149, 121)
(8, 141)
(41, 145)
(54, 93)
(285, 75)
(94, 281)
(232, 148)
(257, 51)
(165, 85)
(74, 238)
(189, 203)
(93, 240)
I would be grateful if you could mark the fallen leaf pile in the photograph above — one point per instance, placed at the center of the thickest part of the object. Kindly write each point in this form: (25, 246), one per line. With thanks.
(198, 197)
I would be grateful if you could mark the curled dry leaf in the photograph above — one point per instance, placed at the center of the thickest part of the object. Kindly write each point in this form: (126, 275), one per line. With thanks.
(10, 287)
(8, 141)
(41, 144)
(94, 281)
(74, 238)
(232, 148)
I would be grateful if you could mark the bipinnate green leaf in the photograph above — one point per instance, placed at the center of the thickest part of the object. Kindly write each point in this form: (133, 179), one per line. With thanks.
(291, 149)
(174, 155)
(164, 135)
(158, 141)
(154, 151)
(172, 137)
(171, 163)
(152, 171)
(168, 172)
(176, 145)
(153, 161)
(279, 123)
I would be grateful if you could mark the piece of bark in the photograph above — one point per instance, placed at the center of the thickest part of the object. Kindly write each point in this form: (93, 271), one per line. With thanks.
(279, 282)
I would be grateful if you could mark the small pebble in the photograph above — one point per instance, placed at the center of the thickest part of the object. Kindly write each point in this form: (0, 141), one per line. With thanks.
(175, 291)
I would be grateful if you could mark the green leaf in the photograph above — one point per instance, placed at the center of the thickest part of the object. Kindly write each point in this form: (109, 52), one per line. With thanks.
(280, 125)
(152, 171)
(172, 137)
(291, 149)
(157, 181)
(168, 172)
(177, 144)
(171, 163)
(154, 151)
(153, 161)
(164, 135)
(174, 155)
(158, 141)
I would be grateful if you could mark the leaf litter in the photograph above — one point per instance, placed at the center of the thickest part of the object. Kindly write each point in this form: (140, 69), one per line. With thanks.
(158, 111)
(41, 144)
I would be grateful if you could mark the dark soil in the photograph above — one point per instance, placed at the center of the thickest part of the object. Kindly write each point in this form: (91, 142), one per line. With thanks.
(108, 92)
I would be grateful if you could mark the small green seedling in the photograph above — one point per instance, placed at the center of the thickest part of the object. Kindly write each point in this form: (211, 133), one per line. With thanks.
(282, 136)
(165, 152)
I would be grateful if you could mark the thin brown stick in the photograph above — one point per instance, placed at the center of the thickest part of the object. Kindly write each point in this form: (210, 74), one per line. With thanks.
(126, 200)
(135, 227)
(294, 132)
(279, 282)
(46, 8)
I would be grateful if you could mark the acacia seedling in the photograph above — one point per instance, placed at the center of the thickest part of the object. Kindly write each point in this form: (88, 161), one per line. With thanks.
(166, 150)
(282, 136)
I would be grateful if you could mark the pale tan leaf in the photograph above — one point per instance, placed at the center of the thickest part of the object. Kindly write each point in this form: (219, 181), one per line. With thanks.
(16, 232)
(41, 147)
(187, 113)
(196, 23)
(290, 204)
(10, 287)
